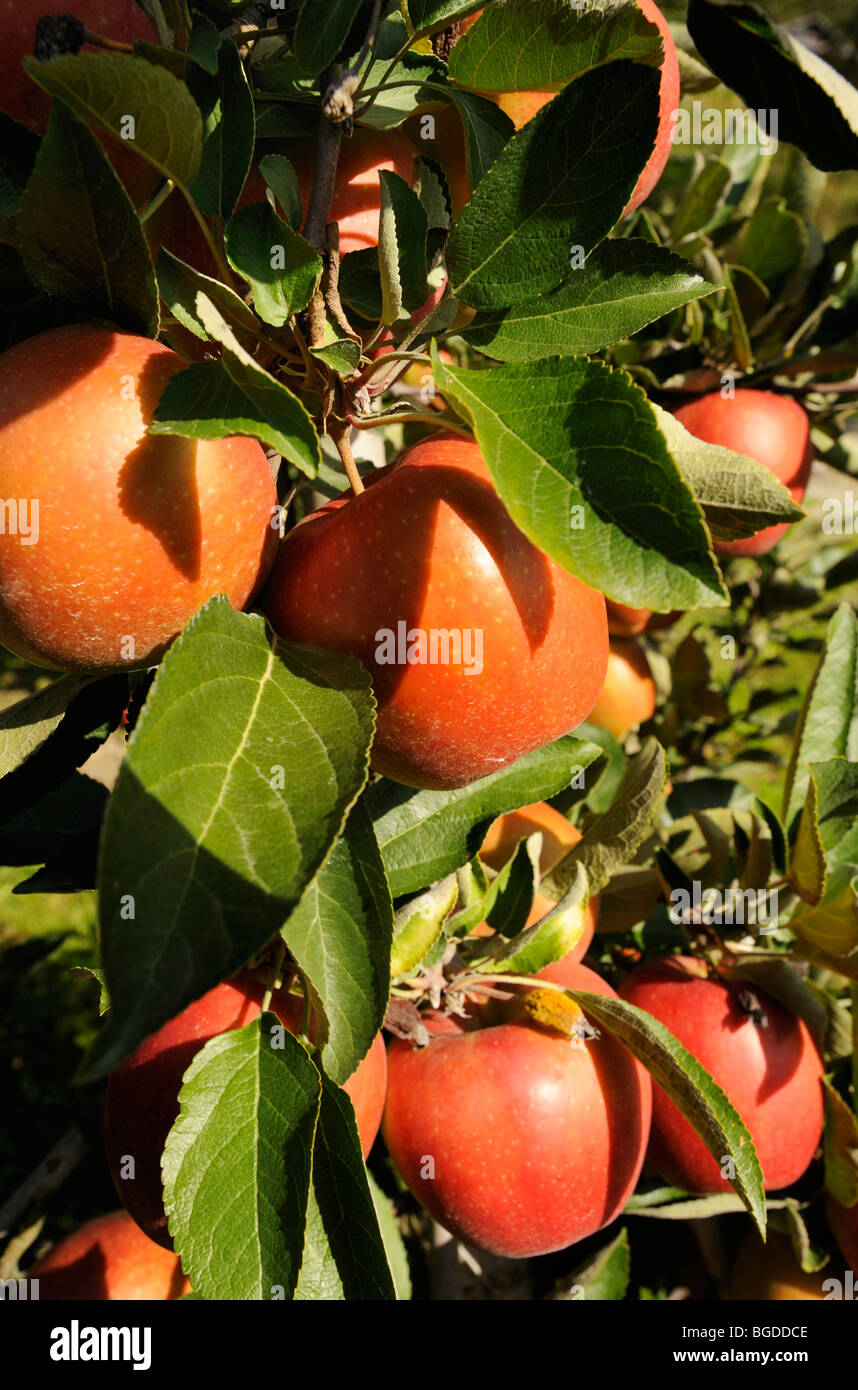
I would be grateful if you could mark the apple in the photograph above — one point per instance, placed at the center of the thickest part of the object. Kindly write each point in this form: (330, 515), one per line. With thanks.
(771, 1273)
(109, 1258)
(25, 101)
(628, 694)
(765, 1061)
(513, 1138)
(135, 531)
(142, 1099)
(844, 1224)
(521, 107)
(558, 837)
(480, 647)
(774, 430)
(355, 205)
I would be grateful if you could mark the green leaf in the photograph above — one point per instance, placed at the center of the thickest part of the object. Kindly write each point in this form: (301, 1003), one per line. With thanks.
(190, 886)
(403, 226)
(281, 267)
(424, 835)
(559, 185)
(418, 924)
(551, 938)
(613, 838)
(690, 1087)
(211, 400)
(237, 1162)
(344, 1253)
(828, 724)
(831, 925)
(817, 109)
(807, 873)
(120, 94)
(28, 723)
(340, 936)
(397, 1255)
(179, 284)
(836, 784)
(579, 460)
(341, 356)
(405, 91)
(204, 44)
(487, 131)
(738, 495)
(229, 126)
(603, 1278)
(322, 29)
(840, 1147)
(427, 16)
(774, 241)
(79, 233)
(623, 286)
(702, 203)
(534, 45)
(279, 174)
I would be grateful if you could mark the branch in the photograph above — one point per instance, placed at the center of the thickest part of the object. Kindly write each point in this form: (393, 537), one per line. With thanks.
(51, 1172)
(338, 103)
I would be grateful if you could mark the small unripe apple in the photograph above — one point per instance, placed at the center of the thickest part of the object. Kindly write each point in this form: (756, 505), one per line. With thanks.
(481, 648)
(628, 694)
(142, 1099)
(762, 1057)
(133, 532)
(771, 1273)
(558, 837)
(512, 1137)
(774, 430)
(110, 1258)
(25, 101)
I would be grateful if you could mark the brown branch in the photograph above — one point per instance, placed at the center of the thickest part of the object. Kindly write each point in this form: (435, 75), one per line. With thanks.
(51, 1172)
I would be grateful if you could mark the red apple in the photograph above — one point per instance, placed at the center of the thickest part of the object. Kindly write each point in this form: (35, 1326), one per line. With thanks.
(558, 837)
(628, 694)
(142, 1100)
(521, 107)
(515, 1139)
(25, 101)
(135, 531)
(110, 1258)
(765, 1061)
(428, 550)
(774, 430)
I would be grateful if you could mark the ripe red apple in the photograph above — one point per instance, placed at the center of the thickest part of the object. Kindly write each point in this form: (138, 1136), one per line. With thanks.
(135, 531)
(774, 430)
(628, 694)
(429, 550)
(110, 1258)
(765, 1061)
(521, 107)
(142, 1099)
(771, 1273)
(25, 101)
(558, 837)
(512, 1137)
(844, 1223)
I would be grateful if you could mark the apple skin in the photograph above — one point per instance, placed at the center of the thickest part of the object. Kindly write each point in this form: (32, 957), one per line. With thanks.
(628, 694)
(430, 544)
(355, 205)
(25, 101)
(142, 1099)
(536, 1143)
(771, 1273)
(136, 532)
(521, 107)
(558, 837)
(771, 1074)
(110, 1258)
(774, 430)
(844, 1224)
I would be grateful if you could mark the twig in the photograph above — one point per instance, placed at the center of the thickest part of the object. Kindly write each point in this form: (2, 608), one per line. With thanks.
(51, 1172)
(339, 430)
(331, 285)
(338, 102)
(327, 158)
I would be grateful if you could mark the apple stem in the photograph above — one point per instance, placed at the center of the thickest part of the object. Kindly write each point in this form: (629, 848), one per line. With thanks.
(339, 431)
(274, 982)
